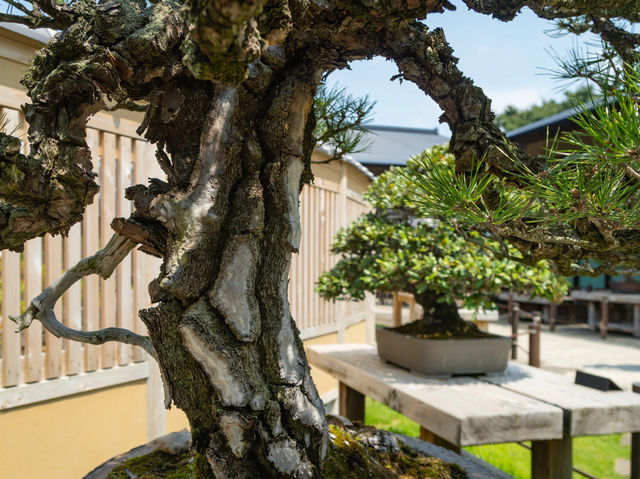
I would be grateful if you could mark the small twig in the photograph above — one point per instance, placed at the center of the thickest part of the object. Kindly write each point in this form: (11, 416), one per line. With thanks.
(631, 171)
(103, 263)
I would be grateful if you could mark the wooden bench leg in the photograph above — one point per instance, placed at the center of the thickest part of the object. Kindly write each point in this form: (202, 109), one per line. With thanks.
(553, 316)
(552, 459)
(397, 310)
(636, 320)
(592, 315)
(635, 444)
(604, 317)
(428, 436)
(635, 455)
(351, 403)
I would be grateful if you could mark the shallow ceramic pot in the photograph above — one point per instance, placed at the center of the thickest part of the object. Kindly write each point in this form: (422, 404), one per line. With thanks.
(444, 356)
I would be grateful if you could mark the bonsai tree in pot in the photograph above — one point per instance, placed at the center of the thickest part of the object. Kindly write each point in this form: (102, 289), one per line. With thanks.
(395, 248)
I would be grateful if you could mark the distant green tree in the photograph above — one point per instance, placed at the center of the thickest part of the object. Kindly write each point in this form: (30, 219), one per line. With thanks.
(396, 248)
(512, 117)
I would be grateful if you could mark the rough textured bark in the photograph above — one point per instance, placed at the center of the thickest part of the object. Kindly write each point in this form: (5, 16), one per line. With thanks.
(225, 340)
(228, 89)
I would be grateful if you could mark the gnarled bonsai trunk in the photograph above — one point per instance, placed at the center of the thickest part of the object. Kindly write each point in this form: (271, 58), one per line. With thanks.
(227, 346)
(437, 312)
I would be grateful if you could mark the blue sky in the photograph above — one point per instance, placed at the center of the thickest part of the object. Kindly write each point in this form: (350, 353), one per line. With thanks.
(507, 60)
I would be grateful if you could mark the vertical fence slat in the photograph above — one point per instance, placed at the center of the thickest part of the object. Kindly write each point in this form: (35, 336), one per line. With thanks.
(324, 250)
(52, 271)
(107, 213)
(73, 300)
(90, 245)
(304, 257)
(140, 294)
(10, 306)
(317, 254)
(154, 171)
(32, 288)
(124, 309)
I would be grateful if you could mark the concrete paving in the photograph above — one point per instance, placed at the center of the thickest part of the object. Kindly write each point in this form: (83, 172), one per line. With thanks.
(574, 347)
(569, 348)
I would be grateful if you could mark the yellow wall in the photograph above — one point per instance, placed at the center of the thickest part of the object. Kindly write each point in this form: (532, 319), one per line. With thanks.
(176, 420)
(66, 438)
(353, 334)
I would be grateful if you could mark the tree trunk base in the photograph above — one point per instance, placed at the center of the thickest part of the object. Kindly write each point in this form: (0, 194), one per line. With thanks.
(354, 452)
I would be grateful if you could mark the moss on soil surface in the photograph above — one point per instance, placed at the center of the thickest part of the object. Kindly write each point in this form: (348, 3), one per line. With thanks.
(351, 459)
(442, 330)
(157, 465)
(347, 459)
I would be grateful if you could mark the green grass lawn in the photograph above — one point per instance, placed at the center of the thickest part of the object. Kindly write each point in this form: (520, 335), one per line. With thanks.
(595, 455)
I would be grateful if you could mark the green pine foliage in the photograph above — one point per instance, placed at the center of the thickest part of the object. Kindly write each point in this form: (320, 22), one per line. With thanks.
(582, 202)
(395, 247)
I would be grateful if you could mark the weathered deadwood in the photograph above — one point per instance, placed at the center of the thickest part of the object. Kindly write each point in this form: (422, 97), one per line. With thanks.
(103, 263)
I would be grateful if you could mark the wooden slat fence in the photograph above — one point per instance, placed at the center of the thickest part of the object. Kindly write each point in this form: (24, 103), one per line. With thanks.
(123, 159)
(93, 303)
(325, 207)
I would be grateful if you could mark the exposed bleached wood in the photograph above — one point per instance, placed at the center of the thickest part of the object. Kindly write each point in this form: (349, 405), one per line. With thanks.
(445, 407)
(10, 304)
(102, 263)
(588, 411)
(26, 394)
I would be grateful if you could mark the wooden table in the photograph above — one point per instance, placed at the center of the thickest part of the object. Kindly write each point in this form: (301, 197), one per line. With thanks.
(521, 404)
(549, 309)
(605, 298)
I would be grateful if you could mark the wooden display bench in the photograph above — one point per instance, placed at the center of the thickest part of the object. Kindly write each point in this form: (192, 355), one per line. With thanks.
(521, 404)
(601, 319)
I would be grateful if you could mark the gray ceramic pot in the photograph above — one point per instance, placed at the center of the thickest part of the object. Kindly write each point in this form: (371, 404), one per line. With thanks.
(444, 356)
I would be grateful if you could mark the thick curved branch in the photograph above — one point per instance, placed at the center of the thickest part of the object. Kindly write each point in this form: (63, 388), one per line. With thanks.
(225, 55)
(84, 68)
(102, 263)
(40, 14)
(623, 42)
(425, 58)
(551, 9)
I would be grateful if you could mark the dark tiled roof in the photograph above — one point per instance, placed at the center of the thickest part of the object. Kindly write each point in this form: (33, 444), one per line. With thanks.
(390, 145)
(550, 122)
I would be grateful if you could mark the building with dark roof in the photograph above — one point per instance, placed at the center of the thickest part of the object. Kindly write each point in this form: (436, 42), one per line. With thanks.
(533, 137)
(393, 146)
